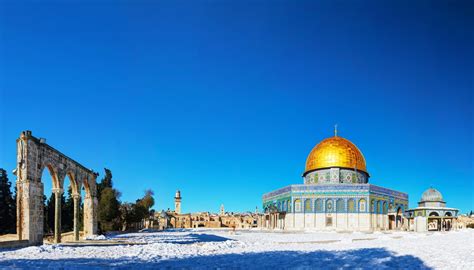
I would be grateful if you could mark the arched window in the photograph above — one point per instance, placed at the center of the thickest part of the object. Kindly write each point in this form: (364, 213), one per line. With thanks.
(362, 205)
(448, 214)
(318, 205)
(434, 214)
(307, 206)
(351, 205)
(329, 206)
(297, 206)
(340, 206)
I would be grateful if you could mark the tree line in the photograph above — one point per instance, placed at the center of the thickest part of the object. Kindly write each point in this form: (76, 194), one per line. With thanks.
(113, 215)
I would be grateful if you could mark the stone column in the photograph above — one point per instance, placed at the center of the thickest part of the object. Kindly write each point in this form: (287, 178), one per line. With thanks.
(90, 215)
(30, 211)
(76, 198)
(58, 192)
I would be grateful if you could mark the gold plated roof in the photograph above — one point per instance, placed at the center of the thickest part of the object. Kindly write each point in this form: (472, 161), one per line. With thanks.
(335, 152)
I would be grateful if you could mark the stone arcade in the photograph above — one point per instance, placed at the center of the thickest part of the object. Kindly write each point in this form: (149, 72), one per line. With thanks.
(33, 156)
(335, 195)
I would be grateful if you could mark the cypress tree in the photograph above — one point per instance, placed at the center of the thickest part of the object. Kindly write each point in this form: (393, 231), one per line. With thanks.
(67, 212)
(45, 215)
(7, 205)
(49, 214)
(109, 210)
(106, 182)
(109, 205)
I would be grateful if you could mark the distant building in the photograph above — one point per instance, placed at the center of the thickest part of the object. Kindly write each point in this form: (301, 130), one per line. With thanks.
(176, 219)
(431, 213)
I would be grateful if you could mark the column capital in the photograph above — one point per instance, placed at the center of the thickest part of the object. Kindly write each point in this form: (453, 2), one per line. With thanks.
(76, 196)
(58, 190)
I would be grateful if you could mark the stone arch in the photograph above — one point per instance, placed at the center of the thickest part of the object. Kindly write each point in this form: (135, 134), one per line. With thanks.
(385, 207)
(33, 155)
(448, 214)
(53, 172)
(75, 185)
(434, 214)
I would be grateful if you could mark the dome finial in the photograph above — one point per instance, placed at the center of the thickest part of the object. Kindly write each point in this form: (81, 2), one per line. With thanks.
(335, 130)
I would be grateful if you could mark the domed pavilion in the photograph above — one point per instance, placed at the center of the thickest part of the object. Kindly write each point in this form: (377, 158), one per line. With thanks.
(335, 194)
(431, 213)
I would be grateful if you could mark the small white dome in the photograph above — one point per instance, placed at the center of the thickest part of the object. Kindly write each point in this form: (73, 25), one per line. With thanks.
(431, 195)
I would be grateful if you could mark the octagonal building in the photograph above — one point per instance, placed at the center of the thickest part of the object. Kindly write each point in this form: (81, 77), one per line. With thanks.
(335, 194)
(431, 213)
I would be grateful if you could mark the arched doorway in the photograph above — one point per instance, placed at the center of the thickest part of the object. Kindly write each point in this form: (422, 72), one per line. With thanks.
(434, 222)
(399, 219)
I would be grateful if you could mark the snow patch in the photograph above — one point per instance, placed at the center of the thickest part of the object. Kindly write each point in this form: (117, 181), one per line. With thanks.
(96, 237)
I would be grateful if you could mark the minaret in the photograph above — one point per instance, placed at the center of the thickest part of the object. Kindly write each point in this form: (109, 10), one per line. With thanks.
(222, 210)
(177, 202)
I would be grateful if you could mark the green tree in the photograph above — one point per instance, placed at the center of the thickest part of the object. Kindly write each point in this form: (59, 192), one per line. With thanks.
(126, 215)
(46, 228)
(49, 214)
(131, 213)
(106, 182)
(109, 205)
(7, 205)
(109, 213)
(67, 212)
(147, 201)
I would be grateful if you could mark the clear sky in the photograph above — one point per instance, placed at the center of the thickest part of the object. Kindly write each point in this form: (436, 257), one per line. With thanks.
(224, 100)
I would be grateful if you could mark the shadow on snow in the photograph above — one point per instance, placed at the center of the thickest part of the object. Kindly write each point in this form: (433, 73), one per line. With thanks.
(369, 258)
(178, 239)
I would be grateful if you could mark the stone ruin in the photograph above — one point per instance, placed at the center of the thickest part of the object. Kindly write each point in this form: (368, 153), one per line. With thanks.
(34, 156)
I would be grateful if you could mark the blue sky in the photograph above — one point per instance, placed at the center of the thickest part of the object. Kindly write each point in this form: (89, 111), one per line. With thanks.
(224, 100)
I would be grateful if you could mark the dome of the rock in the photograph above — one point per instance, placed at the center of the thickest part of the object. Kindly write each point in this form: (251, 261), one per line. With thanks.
(335, 152)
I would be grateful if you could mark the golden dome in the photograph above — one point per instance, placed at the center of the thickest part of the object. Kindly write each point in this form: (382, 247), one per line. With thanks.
(335, 152)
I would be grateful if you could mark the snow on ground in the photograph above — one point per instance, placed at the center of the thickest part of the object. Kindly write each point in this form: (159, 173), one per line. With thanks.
(207, 248)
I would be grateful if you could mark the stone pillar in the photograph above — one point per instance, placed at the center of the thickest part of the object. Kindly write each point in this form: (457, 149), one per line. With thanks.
(76, 198)
(90, 215)
(58, 192)
(30, 211)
